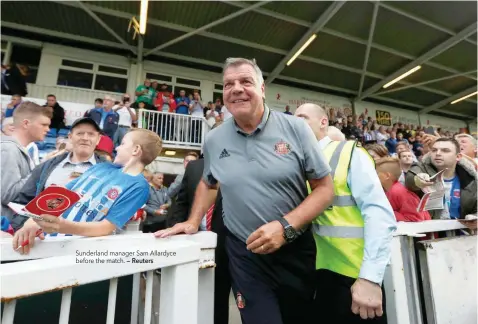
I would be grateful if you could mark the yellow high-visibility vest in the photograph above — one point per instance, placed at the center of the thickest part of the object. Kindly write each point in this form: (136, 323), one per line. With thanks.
(339, 230)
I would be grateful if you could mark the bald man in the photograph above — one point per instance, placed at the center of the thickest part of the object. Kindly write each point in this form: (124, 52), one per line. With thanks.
(335, 134)
(352, 238)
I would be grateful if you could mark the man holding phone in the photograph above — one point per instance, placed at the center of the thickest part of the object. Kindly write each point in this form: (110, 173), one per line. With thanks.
(127, 116)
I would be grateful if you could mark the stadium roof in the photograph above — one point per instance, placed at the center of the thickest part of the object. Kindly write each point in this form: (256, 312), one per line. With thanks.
(360, 46)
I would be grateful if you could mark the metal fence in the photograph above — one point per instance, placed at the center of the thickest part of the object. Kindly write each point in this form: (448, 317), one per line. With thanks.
(187, 274)
(404, 280)
(175, 129)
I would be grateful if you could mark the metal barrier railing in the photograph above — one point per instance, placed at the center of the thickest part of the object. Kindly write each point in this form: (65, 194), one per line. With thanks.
(402, 278)
(186, 262)
(174, 128)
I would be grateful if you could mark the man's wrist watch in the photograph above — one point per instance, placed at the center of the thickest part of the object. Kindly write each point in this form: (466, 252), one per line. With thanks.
(290, 234)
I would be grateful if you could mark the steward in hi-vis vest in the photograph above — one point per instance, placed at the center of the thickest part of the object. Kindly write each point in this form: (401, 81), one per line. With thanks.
(353, 236)
(339, 231)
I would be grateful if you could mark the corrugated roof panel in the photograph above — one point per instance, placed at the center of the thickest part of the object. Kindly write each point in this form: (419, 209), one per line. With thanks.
(454, 15)
(353, 18)
(120, 27)
(213, 50)
(368, 82)
(262, 29)
(385, 63)
(454, 85)
(461, 57)
(305, 10)
(67, 19)
(474, 37)
(462, 107)
(193, 14)
(132, 7)
(156, 36)
(337, 50)
(406, 35)
(304, 70)
(415, 96)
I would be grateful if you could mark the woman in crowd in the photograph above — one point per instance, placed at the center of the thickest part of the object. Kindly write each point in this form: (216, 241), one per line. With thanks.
(377, 151)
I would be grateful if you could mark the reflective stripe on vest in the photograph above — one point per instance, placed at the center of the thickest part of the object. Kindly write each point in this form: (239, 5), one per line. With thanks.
(334, 160)
(338, 231)
(342, 201)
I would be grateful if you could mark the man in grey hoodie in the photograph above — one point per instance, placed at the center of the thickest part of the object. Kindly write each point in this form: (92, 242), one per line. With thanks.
(31, 123)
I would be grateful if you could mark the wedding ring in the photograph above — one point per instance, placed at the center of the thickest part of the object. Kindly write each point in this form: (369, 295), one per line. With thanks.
(262, 247)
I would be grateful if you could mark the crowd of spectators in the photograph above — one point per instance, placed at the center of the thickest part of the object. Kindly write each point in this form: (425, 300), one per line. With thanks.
(407, 156)
(403, 145)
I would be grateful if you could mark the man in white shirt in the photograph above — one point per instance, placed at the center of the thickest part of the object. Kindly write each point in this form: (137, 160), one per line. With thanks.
(212, 116)
(225, 114)
(196, 109)
(127, 116)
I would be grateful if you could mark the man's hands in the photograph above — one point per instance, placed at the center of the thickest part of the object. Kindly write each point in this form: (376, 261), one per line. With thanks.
(470, 221)
(27, 233)
(50, 224)
(422, 180)
(185, 227)
(266, 239)
(366, 299)
(161, 210)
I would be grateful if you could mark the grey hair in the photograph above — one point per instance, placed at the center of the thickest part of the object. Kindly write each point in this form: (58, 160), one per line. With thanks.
(471, 138)
(237, 61)
(7, 121)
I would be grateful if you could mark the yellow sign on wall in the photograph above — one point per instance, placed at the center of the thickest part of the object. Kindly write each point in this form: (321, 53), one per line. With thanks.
(383, 118)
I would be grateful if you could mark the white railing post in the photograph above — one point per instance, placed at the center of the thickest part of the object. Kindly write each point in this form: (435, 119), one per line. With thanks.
(110, 314)
(140, 118)
(206, 296)
(180, 258)
(397, 297)
(65, 305)
(135, 297)
(179, 298)
(148, 298)
(9, 312)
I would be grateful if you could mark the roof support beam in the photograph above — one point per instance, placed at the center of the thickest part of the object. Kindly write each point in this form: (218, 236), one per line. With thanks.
(58, 34)
(314, 29)
(104, 25)
(414, 85)
(164, 24)
(423, 58)
(190, 59)
(422, 21)
(206, 27)
(369, 44)
(300, 22)
(446, 101)
(159, 23)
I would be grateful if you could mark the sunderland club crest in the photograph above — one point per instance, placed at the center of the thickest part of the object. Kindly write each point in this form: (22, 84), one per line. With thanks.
(282, 148)
(113, 193)
(54, 203)
(240, 301)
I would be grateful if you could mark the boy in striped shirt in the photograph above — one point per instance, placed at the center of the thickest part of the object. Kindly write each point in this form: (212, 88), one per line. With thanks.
(111, 194)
